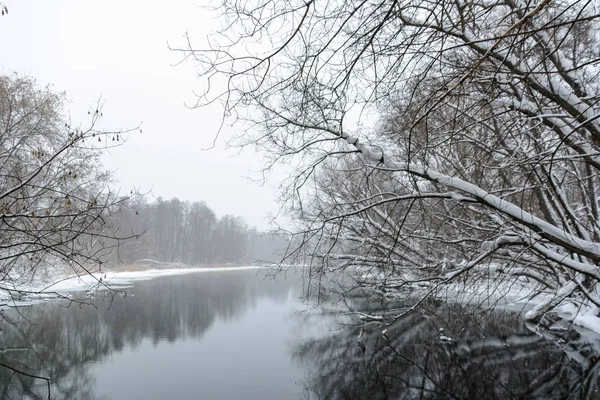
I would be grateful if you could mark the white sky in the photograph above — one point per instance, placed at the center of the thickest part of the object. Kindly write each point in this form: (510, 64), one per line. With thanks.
(117, 50)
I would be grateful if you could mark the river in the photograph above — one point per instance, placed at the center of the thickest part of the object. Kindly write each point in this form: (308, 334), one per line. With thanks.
(244, 335)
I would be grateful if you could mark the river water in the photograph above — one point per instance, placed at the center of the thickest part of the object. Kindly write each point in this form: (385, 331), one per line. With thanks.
(244, 335)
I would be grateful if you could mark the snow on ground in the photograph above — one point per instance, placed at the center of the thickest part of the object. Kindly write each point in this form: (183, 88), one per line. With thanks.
(120, 280)
(491, 293)
(90, 283)
(512, 296)
(588, 320)
(585, 316)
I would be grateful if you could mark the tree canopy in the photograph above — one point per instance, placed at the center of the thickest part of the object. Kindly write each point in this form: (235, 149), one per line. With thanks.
(55, 197)
(434, 142)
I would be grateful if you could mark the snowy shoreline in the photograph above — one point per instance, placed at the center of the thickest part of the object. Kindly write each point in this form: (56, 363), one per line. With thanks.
(92, 283)
(510, 297)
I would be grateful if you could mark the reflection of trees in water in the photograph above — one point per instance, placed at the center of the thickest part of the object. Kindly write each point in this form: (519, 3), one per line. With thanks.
(490, 356)
(51, 340)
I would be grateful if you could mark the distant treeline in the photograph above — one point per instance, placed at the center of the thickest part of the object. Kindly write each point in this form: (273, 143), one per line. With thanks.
(191, 233)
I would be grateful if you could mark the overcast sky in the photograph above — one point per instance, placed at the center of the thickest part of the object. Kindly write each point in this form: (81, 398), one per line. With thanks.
(118, 51)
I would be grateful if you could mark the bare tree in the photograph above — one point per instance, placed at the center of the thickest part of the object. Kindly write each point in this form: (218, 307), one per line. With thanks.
(177, 231)
(476, 148)
(55, 198)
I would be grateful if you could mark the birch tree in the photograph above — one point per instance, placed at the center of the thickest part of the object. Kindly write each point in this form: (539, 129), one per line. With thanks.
(433, 141)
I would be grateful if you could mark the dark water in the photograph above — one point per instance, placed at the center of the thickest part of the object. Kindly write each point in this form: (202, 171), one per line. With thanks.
(239, 335)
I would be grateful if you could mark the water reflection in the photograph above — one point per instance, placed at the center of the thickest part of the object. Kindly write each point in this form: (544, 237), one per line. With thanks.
(235, 335)
(62, 343)
(452, 352)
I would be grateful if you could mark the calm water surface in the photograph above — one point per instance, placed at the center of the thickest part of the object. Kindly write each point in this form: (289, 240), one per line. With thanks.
(241, 335)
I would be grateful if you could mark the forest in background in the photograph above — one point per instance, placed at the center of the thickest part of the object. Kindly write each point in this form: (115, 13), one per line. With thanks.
(190, 233)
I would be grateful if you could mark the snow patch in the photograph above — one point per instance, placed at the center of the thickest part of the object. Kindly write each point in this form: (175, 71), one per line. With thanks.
(92, 283)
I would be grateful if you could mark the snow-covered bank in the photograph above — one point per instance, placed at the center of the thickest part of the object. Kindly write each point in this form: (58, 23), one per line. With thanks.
(62, 288)
(529, 301)
(120, 280)
(541, 308)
